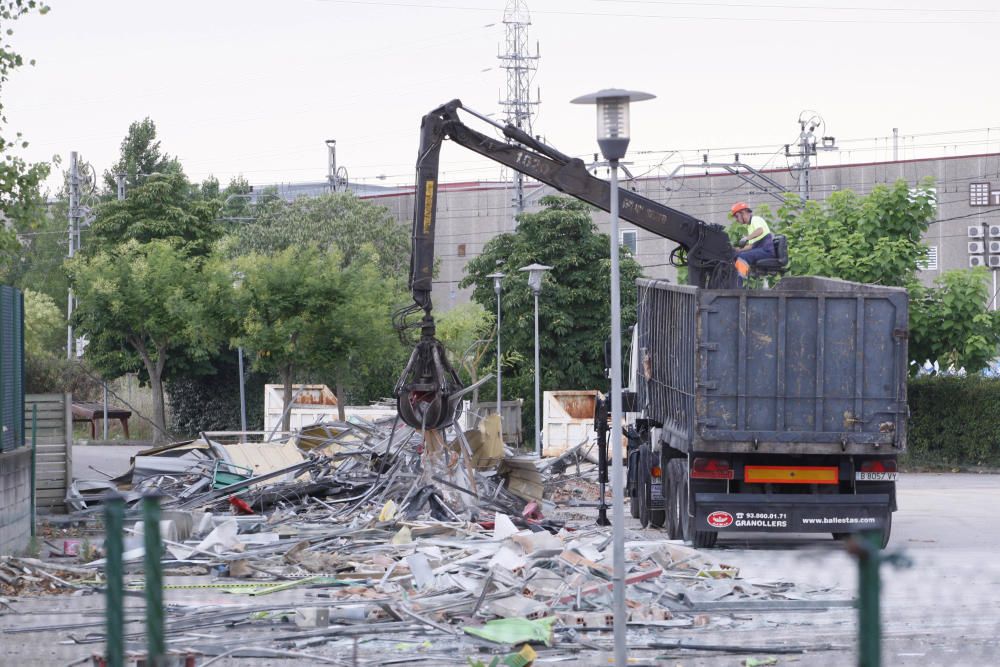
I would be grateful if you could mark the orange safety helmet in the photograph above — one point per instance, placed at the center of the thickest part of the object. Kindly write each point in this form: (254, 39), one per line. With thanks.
(739, 206)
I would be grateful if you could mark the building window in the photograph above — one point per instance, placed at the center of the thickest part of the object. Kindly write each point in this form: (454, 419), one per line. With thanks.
(629, 239)
(929, 263)
(461, 250)
(979, 194)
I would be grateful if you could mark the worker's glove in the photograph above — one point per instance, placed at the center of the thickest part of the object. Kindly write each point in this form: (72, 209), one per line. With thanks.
(743, 241)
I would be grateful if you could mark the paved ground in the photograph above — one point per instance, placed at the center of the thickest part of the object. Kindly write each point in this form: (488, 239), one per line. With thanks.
(89, 461)
(941, 611)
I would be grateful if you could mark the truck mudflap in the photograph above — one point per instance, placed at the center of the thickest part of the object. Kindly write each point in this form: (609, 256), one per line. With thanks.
(790, 513)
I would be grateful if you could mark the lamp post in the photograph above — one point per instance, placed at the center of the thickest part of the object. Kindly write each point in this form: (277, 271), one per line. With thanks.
(497, 286)
(237, 283)
(613, 138)
(535, 272)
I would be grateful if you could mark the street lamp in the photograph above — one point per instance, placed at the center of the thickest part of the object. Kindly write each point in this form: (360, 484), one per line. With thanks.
(497, 277)
(613, 137)
(237, 284)
(535, 272)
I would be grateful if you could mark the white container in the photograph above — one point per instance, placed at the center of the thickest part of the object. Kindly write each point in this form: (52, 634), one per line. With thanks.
(567, 419)
(314, 403)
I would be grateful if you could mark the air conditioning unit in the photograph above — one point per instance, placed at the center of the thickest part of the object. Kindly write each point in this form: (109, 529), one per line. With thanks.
(994, 247)
(975, 232)
(976, 247)
(995, 231)
(976, 260)
(994, 261)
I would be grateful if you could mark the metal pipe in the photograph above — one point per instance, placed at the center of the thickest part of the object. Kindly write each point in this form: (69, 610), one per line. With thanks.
(617, 471)
(34, 459)
(869, 621)
(156, 645)
(114, 524)
(538, 421)
(105, 411)
(243, 398)
(499, 381)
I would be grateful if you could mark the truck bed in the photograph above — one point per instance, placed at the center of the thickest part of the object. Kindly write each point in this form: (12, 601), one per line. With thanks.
(814, 366)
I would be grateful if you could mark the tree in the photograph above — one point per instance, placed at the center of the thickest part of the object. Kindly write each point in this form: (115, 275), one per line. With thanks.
(141, 157)
(466, 332)
(291, 313)
(21, 200)
(150, 301)
(44, 325)
(874, 239)
(950, 325)
(366, 244)
(877, 239)
(164, 206)
(338, 221)
(575, 305)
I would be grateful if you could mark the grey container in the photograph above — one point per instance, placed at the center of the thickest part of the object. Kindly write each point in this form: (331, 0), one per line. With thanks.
(815, 365)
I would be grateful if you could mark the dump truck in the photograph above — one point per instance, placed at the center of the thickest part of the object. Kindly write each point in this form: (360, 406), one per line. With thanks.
(778, 410)
(767, 410)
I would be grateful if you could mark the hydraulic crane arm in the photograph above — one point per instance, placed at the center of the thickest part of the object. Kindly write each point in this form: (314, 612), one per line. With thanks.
(427, 384)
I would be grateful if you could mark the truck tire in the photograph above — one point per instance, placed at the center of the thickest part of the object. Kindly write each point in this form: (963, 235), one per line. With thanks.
(633, 506)
(700, 539)
(883, 538)
(643, 491)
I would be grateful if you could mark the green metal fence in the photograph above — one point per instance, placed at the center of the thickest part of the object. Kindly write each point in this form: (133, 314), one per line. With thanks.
(11, 369)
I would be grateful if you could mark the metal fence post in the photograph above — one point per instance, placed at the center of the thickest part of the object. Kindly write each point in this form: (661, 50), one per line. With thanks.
(114, 524)
(34, 461)
(869, 620)
(156, 646)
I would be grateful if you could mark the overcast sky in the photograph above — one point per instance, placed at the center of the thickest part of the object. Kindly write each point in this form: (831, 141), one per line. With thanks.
(254, 88)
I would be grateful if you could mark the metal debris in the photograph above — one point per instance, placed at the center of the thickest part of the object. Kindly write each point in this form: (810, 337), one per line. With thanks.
(368, 542)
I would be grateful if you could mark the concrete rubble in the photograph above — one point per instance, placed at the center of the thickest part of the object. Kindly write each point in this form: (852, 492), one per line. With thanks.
(371, 543)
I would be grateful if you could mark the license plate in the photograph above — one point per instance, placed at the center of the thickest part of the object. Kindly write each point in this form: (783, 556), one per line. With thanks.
(656, 491)
(875, 476)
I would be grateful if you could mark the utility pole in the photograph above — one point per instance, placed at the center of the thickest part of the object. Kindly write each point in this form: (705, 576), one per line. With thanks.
(336, 177)
(331, 164)
(74, 239)
(520, 66)
(120, 182)
(809, 122)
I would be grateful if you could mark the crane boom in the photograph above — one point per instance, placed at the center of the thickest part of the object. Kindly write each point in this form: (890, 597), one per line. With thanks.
(428, 383)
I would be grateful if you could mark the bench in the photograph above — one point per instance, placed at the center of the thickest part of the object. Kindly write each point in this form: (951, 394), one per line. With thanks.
(91, 412)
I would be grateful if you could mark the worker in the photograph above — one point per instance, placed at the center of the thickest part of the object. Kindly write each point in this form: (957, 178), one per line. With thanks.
(758, 238)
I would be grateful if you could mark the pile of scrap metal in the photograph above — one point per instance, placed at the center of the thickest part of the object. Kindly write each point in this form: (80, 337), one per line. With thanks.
(372, 543)
(336, 468)
(382, 589)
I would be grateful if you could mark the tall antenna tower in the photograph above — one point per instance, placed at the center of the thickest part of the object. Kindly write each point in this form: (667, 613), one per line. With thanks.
(520, 65)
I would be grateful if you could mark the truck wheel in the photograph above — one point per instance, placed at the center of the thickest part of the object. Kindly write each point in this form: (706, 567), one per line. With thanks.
(700, 539)
(642, 485)
(884, 537)
(887, 530)
(633, 506)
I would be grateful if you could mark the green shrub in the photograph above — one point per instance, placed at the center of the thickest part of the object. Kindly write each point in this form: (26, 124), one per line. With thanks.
(212, 402)
(47, 374)
(954, 421)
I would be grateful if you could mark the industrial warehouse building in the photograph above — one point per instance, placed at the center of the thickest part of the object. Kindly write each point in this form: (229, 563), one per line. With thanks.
(966, 233)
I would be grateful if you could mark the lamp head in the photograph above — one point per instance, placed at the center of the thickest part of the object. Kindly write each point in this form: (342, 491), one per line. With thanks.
(535, 273)
(613, 131)
(497, 278)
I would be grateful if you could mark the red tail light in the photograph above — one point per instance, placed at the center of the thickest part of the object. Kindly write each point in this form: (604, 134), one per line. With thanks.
(656, 472)
(711, 469)
(878, 465)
